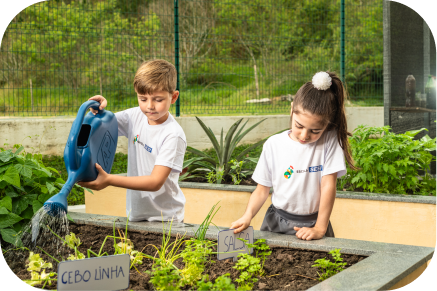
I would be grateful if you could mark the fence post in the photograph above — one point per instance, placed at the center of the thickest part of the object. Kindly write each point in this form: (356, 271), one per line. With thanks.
(342, 49)
(176, 52)
(31, 93)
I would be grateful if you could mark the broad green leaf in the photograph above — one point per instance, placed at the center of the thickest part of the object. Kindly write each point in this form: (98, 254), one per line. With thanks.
(27, 213)
(6, 202)
(31, 164)
(18, 205)
(12, 176)
(29, 198)
(3, 210)
(10, 219)
(43, 197)
(6, 156)
(12, 192)
(50, 187)
(26, 171)
(36, 205)
(385, 166)
(8, 235)
(19, 167)
(5, 167)
(19, 150)
(52, 169)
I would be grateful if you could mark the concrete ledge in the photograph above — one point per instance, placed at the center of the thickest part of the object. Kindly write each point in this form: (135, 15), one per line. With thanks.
(387, 265)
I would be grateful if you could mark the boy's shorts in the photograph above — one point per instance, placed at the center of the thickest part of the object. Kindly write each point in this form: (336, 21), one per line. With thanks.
(280, 221)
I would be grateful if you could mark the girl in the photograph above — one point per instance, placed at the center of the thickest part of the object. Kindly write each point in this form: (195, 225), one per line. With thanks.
(303, 164)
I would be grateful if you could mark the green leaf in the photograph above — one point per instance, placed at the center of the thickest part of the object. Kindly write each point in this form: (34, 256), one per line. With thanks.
(10, 219)
(50, 187)
(26, 171)
(3, 210)
(6, 202)
(11, 192)
(8, 235)
(28, 213)
(18, 167)
(36, 205)
(43, 197)
(385, 167)
(19, 150)
(4, 168)
(31, 164)
(211, 136)
(6, 156)
(12, 176)
(18, 205)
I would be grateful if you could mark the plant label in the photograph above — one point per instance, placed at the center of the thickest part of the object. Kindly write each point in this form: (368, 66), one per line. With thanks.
(229, 246)
(103, 273)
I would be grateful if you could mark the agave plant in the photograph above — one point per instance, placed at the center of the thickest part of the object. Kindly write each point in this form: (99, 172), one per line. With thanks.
(204, 164)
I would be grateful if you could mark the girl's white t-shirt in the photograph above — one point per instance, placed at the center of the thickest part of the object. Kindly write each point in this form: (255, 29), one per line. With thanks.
(295, 170)
(149, 146)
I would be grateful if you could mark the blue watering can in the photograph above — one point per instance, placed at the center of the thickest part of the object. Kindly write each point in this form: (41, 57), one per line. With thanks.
(92, 139)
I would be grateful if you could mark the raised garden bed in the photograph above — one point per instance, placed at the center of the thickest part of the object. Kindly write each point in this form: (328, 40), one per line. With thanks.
(388, 266)
(286, 268)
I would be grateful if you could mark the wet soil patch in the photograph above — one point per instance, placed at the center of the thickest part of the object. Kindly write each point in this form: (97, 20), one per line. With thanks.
(286, 268)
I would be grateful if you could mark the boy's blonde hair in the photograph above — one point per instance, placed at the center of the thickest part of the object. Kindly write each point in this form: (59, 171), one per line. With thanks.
(155, 75)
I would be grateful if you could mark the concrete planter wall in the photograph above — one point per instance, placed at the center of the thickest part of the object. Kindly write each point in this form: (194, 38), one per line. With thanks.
(388, 267)
(400, 219)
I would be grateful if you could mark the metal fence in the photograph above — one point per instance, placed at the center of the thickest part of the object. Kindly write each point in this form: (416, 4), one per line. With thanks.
(233, 57)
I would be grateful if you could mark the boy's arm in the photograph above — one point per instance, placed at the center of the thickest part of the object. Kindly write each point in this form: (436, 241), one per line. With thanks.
(257, 199)
(327, 198)
(153, 182)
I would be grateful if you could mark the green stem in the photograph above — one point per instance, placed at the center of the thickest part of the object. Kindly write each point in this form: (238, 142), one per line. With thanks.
(47, 254)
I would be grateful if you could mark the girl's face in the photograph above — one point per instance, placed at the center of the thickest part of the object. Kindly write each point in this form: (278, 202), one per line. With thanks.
(306, 127)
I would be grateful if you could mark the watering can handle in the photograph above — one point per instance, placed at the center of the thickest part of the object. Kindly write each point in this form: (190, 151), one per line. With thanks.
(75, 128)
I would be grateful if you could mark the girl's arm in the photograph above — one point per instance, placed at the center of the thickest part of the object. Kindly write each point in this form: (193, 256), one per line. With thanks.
(329, 183)
(257, 199)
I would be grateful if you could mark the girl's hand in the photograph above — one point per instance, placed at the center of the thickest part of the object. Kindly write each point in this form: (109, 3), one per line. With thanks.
(102, 102)
(98, 184)
(309, 233)
(241, 224)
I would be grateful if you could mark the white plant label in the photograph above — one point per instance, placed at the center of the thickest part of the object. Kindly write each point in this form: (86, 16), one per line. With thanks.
(103, 273)
(229, 246)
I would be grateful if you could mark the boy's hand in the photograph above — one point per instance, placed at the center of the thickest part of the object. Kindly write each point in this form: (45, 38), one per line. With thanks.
(309, 233)
(241, 224)
(102, 102)
(98, 184)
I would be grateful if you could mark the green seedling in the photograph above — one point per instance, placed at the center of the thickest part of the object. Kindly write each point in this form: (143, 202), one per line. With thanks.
(222, 283)
(249, 267)
(262, 251)
(38, 276)
(329, 268)
(194, 256)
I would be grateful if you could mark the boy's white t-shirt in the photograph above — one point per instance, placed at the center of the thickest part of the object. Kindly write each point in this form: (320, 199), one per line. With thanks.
(295, 170)
(150, 145)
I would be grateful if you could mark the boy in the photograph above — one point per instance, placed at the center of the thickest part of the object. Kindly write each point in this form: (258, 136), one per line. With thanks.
(156, 148)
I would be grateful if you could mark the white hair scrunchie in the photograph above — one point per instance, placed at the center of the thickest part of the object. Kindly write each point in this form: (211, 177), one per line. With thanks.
(322, 81)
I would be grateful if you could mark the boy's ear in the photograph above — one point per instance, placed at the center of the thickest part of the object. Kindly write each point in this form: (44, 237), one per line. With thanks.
(291, 111)
(174, 97)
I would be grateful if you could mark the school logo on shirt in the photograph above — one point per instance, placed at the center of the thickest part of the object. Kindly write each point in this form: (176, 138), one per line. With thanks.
(136, 140)
(288, 173)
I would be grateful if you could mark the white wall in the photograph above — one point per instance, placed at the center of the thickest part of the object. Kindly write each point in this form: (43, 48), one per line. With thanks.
(53, 132)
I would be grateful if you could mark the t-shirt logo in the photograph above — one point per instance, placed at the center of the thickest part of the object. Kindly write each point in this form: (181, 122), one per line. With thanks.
(136, 138)
(288, 173)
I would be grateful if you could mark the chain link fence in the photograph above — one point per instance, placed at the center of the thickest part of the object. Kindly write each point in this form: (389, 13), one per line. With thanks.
(233, 57)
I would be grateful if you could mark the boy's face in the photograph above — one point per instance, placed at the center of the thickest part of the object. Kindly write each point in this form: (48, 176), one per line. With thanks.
(156, 105)
(306, 128)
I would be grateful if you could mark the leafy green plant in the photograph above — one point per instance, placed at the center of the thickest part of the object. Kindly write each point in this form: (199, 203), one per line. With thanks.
(224, 150)
(73, 243)
(389, 162)
(329, 268)
(235, 172)
(36, 268)
(249, 267)
(194, 257)
(222, 283)
(164, 276)
(25, 184)
(262, 251)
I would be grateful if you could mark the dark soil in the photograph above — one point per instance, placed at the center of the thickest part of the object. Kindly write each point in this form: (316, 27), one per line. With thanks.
(286, 268)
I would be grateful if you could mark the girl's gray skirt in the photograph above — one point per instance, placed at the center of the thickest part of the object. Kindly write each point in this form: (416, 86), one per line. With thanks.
(280, 221)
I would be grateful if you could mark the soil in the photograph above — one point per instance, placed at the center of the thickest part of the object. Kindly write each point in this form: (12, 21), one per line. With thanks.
(286, 268)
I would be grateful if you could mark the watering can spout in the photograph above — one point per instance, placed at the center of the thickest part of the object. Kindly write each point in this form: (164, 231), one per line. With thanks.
(92, 139)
